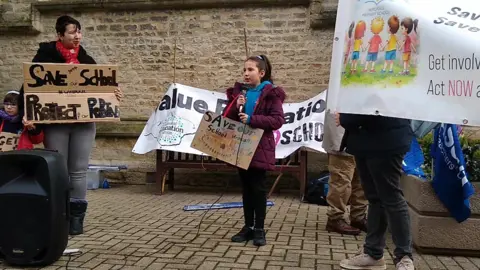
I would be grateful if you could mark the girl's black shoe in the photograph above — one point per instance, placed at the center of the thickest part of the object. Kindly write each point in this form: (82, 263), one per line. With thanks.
(259, 238)
(244, 235)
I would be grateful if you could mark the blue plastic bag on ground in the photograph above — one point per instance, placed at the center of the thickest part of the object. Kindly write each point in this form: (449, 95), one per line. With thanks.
(317, 189)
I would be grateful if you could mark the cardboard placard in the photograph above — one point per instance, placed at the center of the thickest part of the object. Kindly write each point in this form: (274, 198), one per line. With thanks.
(58, 108)
(67, 93)
(220, 138)
(8, 141)
(69, 78)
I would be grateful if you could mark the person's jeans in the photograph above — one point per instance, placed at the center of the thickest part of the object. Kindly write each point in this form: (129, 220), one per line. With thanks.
(74, 142)
(380, 177)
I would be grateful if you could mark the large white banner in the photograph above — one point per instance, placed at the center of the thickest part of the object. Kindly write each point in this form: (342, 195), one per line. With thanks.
(173, 124)
(415, 59)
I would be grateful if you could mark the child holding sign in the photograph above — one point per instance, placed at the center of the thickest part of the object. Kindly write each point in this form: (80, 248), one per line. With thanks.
(261, 107)
(15, 134)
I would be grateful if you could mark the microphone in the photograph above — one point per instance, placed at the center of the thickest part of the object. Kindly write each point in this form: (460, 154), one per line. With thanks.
(244, 92)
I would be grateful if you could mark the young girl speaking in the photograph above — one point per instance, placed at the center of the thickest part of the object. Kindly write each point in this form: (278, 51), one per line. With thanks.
(261, 107)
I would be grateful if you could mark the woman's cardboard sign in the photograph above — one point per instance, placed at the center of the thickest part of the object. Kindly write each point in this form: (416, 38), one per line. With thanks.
(226, 139)
(8, 141)
(65, 93)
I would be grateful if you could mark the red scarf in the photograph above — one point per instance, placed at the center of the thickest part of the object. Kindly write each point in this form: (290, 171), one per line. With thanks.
(69, 56)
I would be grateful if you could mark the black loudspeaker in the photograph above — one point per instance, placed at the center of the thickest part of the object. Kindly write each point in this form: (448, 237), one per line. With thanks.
(34, 207)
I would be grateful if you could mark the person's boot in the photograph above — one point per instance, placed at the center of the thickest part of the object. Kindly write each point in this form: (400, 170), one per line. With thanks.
(246, 234)
(259, 237)
(359, 224)
(77, 215)
(342, 227)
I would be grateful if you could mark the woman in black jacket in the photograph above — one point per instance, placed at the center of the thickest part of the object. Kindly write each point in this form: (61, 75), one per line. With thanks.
(73, 141)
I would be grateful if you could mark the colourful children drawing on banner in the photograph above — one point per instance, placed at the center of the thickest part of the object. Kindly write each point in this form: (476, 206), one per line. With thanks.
(407, 46)
(348, 45)
(385, 36)
(391, 44)
(374, 44)
(357, 44)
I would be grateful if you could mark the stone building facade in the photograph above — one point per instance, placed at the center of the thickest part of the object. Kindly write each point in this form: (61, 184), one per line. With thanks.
(139, 36)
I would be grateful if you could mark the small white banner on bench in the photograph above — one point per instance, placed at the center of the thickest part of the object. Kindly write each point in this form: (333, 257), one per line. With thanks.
(173, 124)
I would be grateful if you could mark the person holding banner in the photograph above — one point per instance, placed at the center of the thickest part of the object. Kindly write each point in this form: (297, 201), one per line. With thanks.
(17, 134)
(379, 145)
(74, 141)
(259, 107)
(344, 184)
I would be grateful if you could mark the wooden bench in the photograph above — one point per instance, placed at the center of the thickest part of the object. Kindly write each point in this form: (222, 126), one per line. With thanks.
(168, 161)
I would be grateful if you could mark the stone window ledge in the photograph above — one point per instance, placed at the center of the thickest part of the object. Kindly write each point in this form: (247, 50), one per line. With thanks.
(78, 5)
(126, 128)
(24, 18)
(19, 19)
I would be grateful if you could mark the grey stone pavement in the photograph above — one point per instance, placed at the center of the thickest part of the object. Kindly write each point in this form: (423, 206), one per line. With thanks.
(128, 227)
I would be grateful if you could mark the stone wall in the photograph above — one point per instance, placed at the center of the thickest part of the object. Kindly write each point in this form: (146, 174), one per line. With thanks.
(139, 36)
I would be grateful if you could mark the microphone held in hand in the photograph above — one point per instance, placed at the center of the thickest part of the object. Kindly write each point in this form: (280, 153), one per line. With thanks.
(244, 92)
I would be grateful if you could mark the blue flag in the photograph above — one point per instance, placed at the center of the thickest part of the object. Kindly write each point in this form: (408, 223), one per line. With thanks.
(450, 180)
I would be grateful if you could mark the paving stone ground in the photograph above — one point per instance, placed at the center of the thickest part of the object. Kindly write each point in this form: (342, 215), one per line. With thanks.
(128, 227)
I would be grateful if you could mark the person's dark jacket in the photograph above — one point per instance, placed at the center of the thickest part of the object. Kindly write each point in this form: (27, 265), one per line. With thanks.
(374, 136)
(48, 53)
(267, 115)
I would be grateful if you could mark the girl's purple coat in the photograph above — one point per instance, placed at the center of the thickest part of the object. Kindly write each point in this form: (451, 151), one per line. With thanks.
(267, 115)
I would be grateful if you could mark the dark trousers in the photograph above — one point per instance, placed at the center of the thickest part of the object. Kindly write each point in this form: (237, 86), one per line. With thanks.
(254, 197)
(380, 177)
